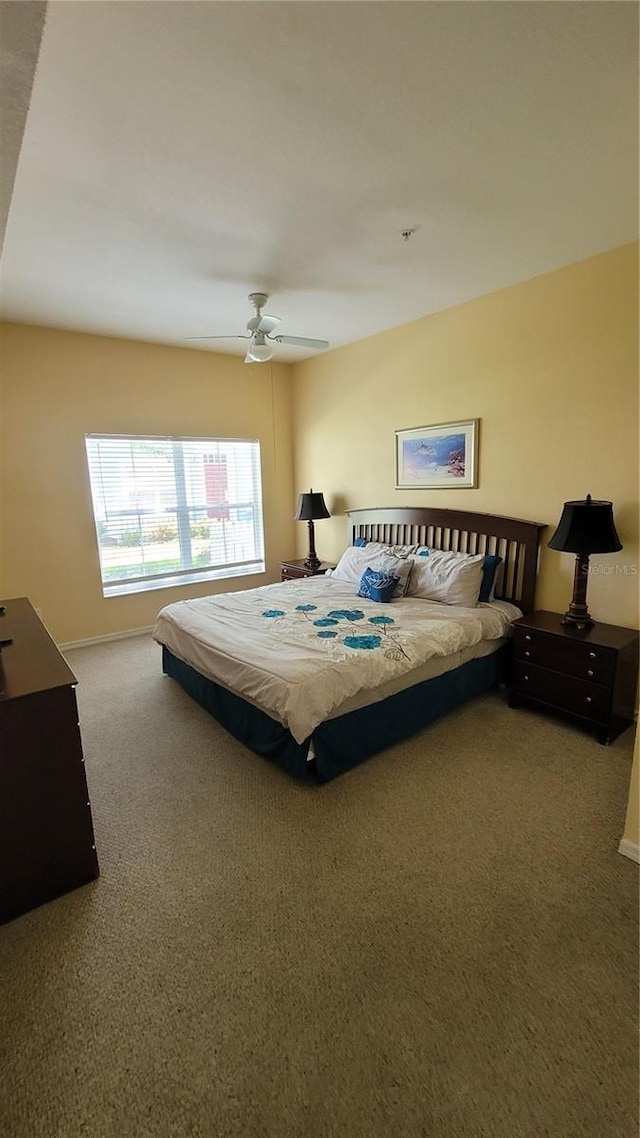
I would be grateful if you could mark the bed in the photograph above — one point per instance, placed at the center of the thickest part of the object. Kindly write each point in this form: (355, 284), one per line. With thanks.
(317, 678)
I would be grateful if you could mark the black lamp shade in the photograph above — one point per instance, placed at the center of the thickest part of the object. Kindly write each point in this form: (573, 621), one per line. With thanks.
(586, 527)
(310, 507)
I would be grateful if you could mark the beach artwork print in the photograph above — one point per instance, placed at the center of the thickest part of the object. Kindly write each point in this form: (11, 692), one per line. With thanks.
(437, 457)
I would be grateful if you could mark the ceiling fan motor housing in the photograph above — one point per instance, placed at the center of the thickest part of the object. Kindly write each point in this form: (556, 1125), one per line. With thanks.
(258, 300)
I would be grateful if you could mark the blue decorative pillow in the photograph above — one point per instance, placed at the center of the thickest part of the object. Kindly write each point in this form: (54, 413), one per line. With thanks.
(361, 541)
(489, 570)
(377, 586)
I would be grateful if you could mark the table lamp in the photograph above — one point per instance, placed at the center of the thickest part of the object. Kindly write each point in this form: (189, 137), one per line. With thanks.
(311, 506)
(584, 528)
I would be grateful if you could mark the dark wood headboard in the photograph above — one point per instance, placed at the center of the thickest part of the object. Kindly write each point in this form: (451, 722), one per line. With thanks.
(516, 541)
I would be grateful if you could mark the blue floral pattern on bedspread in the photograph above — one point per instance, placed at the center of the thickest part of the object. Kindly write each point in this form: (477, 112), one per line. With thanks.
(390, 643)
(363, 641)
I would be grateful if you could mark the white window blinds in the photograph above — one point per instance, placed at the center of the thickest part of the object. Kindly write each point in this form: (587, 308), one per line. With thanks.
(173, 510)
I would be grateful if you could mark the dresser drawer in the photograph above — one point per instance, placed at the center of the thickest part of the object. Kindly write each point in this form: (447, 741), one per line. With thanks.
(568, 693)
(293, 574)
(295, 569)
(586, 661)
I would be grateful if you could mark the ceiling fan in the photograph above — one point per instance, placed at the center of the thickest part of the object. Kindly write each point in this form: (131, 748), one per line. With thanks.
(259, 333)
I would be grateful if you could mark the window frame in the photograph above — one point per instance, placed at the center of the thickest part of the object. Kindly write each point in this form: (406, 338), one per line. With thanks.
(181, 514)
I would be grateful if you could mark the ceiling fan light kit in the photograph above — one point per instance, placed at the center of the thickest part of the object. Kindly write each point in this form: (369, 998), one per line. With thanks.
(259, 351)
(259, 332)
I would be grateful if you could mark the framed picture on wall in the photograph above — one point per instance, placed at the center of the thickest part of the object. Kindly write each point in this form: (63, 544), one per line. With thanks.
(440, 457)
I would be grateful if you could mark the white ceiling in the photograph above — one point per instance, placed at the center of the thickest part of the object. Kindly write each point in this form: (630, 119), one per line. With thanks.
(179, 155)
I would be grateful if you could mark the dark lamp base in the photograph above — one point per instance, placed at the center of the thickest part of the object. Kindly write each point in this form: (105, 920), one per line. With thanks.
(312, 563)
(577, 615)
(578, 622)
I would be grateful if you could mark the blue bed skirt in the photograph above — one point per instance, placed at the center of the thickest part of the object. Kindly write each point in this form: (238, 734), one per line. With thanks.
(342, 743)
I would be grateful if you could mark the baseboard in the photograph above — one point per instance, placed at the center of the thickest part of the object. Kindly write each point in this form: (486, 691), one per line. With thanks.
(104, 639)
(629, 849)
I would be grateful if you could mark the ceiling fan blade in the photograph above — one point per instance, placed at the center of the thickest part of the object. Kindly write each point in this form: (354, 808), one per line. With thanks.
(268, 323)
(218, 338)
(301, 341)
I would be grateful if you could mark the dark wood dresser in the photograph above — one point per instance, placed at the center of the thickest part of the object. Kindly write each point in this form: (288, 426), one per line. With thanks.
(292, 570)
(47, 845)
(589, 676)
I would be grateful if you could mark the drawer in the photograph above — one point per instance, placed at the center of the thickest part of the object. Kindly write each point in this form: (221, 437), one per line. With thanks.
(292, 574)
(568, 693)
(586, 661)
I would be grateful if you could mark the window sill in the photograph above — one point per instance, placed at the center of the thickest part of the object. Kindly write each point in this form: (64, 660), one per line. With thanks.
(126, 589)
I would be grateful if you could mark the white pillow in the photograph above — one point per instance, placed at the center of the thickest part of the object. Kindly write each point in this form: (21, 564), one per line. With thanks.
(357, 558)
(381, 547)
(448, 577)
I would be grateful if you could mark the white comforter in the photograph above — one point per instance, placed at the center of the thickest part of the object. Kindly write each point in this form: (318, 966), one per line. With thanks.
(298, 650)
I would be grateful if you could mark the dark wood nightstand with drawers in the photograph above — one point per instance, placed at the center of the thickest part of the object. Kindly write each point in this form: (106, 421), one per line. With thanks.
(292, 570)
(588, 676)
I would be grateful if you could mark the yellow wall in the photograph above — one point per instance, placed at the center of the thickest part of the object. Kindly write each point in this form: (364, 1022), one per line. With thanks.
(551, 369)
(56, 386)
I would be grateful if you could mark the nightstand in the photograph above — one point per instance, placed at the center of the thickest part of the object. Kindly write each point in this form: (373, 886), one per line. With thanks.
(589, 676)
(292, 570)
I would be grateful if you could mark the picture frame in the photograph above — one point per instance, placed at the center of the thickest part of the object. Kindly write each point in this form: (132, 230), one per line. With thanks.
(443, 456)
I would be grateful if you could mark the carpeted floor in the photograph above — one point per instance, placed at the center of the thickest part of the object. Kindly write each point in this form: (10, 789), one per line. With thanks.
(440, 944)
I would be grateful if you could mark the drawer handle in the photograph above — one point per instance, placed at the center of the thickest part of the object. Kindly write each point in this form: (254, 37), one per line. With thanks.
(592, 655)
(527, 654)
(588, 699)
(527, 637)
(590, 671)
(525, 677)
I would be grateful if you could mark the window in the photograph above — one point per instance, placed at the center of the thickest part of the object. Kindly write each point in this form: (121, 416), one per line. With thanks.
(169, 511)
